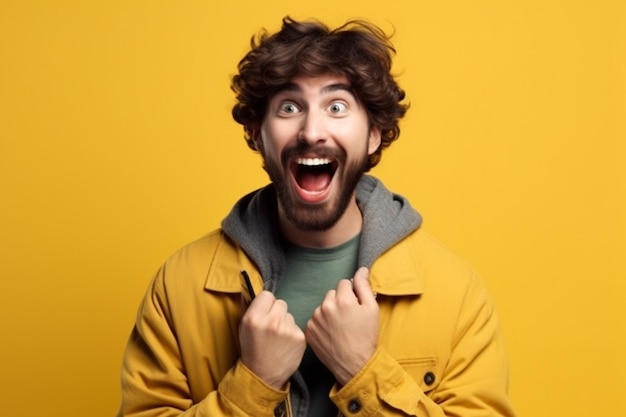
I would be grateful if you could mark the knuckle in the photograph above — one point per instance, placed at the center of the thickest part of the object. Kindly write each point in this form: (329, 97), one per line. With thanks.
(248, 320)
(327, 306)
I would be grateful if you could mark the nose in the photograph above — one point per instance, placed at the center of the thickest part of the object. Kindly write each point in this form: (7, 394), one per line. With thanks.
(313, 128)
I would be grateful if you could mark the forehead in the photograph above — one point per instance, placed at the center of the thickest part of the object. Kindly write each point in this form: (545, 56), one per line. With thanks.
(316, 85)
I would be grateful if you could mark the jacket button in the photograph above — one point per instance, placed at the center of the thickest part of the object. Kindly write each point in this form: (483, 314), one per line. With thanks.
(354, 406)
(429, 378)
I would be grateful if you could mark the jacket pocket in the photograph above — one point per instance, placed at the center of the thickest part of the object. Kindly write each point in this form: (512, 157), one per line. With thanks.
(425, 371)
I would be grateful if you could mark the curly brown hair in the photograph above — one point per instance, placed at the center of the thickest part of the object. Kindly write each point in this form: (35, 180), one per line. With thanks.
(358, 50)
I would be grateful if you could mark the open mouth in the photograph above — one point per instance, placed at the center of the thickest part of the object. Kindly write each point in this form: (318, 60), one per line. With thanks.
(313, 175)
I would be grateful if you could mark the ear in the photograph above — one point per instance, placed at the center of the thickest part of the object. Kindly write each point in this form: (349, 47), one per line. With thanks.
(374, 140)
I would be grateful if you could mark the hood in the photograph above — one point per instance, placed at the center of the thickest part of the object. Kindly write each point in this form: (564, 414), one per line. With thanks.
(253, 225)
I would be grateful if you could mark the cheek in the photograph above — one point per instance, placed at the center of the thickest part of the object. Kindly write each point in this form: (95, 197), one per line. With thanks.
(356, 138)
(271, 149)
(267, 139)
(275, 136)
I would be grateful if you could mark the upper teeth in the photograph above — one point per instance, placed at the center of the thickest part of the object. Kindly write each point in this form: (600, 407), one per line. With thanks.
(313, 161)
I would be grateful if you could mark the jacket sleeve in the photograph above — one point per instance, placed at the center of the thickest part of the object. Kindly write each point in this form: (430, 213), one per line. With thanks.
(153, 378)
(473, 384)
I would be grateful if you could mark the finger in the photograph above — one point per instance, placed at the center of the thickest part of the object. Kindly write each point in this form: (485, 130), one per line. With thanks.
(330, 295)
(262, 303)
(290, 320)
(279, 308)
(362, 287)
(344, 286)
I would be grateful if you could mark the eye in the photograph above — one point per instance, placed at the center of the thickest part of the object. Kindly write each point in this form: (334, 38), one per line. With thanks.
(337, 107)
(288, 108)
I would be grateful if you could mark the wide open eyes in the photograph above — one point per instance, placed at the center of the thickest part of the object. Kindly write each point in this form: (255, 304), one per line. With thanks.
(288, 108)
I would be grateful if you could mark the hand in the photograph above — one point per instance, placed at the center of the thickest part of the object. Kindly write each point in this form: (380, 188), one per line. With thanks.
(272, 344)
(343, 331)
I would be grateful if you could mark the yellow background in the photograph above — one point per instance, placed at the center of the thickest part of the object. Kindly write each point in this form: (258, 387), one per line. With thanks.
(117, 147)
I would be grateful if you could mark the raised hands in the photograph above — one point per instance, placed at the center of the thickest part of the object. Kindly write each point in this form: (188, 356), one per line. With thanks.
(343, 333)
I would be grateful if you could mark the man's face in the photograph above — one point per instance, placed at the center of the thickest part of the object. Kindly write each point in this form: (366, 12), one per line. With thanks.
(315, 139)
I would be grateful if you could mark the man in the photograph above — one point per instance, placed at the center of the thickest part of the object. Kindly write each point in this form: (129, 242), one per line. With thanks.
(357, 311)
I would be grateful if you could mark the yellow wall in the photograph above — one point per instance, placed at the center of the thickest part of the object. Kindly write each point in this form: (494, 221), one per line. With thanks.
(117, 147)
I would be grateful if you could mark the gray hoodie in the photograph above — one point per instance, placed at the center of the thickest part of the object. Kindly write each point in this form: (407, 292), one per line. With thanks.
(253, 225)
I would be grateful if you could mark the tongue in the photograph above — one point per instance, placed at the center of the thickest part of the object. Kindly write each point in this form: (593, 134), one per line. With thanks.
(314, 181)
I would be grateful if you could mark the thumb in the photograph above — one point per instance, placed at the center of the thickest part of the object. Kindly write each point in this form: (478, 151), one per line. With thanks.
(362, 287)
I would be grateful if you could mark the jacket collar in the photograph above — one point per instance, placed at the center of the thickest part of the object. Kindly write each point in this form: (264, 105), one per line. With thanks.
(396, 272)
(227, 262)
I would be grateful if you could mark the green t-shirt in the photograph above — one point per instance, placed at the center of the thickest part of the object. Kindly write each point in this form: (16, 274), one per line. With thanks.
(309, 274)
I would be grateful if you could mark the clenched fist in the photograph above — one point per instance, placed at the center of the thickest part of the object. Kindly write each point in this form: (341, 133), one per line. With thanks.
(343, 331)
(272, 344)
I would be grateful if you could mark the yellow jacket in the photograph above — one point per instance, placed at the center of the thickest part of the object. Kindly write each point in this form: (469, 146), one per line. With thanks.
(440, 350)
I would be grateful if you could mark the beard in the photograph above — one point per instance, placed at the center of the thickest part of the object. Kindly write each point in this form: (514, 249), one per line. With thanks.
(315, 217)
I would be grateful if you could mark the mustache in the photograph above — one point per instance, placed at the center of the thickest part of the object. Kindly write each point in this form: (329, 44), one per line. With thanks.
(320, 151)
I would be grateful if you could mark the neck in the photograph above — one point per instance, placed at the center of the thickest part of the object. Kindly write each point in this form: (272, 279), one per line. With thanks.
(348, 226)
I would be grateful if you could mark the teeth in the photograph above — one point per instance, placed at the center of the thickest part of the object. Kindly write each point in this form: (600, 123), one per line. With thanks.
(313, 161)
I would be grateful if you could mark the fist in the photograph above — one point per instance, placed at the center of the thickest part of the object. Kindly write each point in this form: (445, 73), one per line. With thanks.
(272, 344)
(343, 331)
